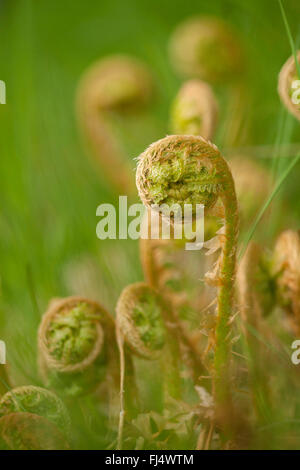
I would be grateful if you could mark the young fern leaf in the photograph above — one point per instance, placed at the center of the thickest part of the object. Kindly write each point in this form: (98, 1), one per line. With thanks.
(143, 322)
(195, 110)
(77, 346)
(114, 84)
(175, 272)
(266, 204)
(28, 431)
(139, 318)
(206, 48)
(187, 169)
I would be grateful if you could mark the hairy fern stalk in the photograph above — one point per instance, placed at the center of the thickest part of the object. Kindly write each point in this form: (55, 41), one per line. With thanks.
(188, 169)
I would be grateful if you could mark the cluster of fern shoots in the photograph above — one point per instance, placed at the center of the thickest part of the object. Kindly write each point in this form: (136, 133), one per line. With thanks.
(189, 359)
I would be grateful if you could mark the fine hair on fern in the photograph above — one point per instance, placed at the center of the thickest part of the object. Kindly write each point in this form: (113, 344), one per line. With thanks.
(187, 169)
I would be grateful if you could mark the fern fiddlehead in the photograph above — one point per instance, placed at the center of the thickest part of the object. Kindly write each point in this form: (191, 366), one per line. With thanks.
(286, 271)
(208, 48)
(188, 169)
(77, 348)
(256, 299)
(195, 110)
(113, 84)
(289, 85)
(28, 431)
(140, 319)
(38, 401)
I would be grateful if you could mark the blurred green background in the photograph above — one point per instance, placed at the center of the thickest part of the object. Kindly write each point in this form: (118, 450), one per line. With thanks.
(49, 189)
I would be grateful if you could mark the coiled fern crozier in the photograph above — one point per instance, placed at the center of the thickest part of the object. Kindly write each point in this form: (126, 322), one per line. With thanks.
(28, 431)
(140, 319)
(206, 47)
(144, 324)
(184, 169)
(194, 110)
(286, 272)
(289, 85)
(77, 346)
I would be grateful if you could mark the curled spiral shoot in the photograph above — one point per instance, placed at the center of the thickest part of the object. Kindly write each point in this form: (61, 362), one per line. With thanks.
(188, 169)
(113, 84)
(139, 318)
(195, 110)
(289, 75)
(207, 48)
(4, 379)
(27, 431)
(76, 344)
(139, 325)
(38, 401)
(174, 272)
(142, 325)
